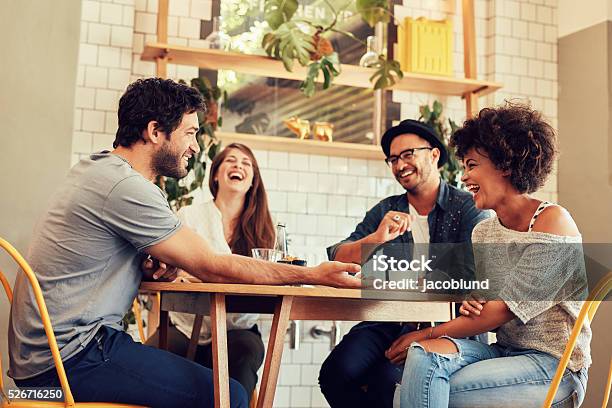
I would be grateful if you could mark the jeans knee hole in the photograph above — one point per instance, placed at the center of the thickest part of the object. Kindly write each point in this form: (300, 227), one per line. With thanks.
(449, 356)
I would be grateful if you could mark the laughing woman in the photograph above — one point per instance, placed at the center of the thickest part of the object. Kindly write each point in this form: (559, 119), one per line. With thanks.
(507, 152)
(235, 221)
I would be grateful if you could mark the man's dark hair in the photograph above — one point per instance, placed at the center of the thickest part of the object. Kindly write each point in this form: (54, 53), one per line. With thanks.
(515, 138)
(154, 99)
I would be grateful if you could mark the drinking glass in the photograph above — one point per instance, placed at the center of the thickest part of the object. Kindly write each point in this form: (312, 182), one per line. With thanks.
(267, 254)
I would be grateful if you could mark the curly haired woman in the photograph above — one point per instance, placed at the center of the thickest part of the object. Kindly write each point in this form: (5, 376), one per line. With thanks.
(507, 152)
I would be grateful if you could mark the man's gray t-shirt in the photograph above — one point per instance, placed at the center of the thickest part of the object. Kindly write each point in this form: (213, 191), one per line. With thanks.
(86, 252)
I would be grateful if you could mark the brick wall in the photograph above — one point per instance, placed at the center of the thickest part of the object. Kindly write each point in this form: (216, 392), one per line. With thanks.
(320, 198)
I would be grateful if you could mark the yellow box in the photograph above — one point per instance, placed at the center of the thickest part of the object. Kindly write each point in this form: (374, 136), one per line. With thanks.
(426, 46)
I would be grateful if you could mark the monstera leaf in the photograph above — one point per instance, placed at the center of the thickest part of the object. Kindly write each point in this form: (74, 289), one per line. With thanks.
(328, 65)
(287, 43)
(277, 12)
(374, 11)
(388, 72)
(294, 44)
(270, 43)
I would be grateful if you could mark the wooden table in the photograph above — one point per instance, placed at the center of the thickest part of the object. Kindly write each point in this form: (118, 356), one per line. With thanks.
(285, 303)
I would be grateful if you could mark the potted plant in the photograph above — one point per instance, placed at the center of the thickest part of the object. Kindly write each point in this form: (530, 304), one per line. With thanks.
(451, 171)
(306, 42)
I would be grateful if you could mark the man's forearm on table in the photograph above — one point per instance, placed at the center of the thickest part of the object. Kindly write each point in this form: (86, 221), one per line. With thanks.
(241, 269)
(190, 252)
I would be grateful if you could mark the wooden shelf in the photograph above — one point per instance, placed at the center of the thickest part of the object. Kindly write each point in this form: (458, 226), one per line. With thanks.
(351, 75)
(308, 146)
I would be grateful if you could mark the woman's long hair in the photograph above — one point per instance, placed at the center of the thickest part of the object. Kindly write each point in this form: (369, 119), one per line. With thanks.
(255, 228)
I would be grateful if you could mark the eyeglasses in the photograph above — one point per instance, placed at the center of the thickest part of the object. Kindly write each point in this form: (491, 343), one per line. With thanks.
(406, 156)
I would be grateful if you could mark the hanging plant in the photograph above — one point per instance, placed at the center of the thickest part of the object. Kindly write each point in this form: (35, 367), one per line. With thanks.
(306, 42)
(178, 191)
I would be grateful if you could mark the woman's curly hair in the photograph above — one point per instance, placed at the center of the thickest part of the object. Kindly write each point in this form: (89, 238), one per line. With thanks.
(154, 99)
(515, 138)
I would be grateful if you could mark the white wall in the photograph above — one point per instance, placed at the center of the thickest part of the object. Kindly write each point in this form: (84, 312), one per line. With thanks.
(37, 79)
(575, 15)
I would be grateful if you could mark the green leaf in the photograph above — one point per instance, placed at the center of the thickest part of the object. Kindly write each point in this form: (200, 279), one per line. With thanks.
(453, 126)
(294, 44)
(277, 12)
(270, 43)
(451, 171)
(216, 93)
(213, 150)
(381, 83)
(199, 171)
(326, 76)
(308, 86)
(425, 113)
(203, 85)
(333, 63)
(225, 100)
(437, 108)
(374, 11)
(287, 62)
(328, 67)
(388, 73)
(171, 188)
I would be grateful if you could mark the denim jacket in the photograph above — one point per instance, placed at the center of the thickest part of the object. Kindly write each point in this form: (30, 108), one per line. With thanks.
(450, 221)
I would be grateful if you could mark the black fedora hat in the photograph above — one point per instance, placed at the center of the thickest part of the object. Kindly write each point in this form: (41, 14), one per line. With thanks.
(418, 128)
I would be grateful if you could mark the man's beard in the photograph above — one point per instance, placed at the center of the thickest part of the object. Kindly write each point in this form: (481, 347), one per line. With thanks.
(168, 163)
(422, 175)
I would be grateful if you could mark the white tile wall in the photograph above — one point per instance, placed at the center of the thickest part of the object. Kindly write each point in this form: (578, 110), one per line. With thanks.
(320, 198)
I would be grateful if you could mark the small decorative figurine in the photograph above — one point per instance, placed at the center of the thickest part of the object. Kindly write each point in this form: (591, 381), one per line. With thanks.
(323, 131)
(301, 127)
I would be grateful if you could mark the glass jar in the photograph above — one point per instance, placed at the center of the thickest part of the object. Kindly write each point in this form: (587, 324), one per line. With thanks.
(217, 39)
(370, 57)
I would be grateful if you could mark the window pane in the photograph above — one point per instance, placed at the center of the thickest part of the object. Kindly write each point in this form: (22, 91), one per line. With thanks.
(259, 105)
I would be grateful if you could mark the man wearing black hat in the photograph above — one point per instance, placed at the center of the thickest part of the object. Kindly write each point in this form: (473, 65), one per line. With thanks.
(357, 373)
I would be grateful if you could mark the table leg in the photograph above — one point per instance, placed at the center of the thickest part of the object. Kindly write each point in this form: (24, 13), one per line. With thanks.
(280, 322)
(163, 329)
(153, 315)
(195, 336)
(218, 319)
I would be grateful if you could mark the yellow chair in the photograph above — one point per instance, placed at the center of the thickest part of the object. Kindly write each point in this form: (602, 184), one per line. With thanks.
(589, 308)
(152, 314)
(44, 314)
(138, 318)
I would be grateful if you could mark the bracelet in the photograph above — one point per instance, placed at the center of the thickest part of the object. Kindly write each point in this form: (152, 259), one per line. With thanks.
(430, 336)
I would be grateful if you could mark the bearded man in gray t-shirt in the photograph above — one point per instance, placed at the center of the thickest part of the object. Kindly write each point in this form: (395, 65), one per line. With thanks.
(87, 250)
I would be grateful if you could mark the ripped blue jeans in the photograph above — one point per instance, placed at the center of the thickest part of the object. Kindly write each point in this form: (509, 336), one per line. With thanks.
(481, 375)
